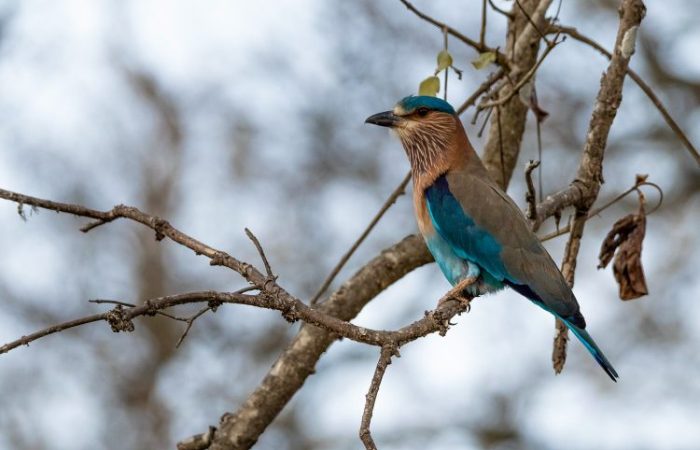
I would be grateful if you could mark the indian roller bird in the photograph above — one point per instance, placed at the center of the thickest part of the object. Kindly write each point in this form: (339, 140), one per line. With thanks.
(478, 236)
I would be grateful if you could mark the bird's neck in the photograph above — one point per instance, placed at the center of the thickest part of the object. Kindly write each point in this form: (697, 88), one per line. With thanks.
(433, 151)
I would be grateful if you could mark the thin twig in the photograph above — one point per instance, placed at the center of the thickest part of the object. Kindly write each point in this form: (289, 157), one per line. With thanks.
(399, 191)
(530, 73)
(26, 340)
(447, 69)
(484, 123)
(530, 196)
(261, 252)
(540, 190)
(670, 121)
(501, 59)
(371, 397)
(190, 321)
(500, 146)
(482, 33)
(99, 301)
(484, 87)
(500, 11)
(600, 209)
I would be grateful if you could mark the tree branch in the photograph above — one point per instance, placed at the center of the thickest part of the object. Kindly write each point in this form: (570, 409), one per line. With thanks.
(584, 190)
(670, 121)
(371, 397)
(162, 229)
(292, 309)
(298, 361)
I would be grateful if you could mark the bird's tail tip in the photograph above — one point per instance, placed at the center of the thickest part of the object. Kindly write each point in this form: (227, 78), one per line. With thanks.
(595, 351)
(607, 367)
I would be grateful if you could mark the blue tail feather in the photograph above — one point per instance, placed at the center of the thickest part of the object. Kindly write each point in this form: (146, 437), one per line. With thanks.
(592, 347)
(576, 324)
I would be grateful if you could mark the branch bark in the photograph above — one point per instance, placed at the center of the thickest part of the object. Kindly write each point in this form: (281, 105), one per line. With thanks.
(670, 121)
(583, 191)
(298, 361)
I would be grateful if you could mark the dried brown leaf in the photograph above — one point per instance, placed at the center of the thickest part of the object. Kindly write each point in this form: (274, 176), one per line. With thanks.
(624, 242)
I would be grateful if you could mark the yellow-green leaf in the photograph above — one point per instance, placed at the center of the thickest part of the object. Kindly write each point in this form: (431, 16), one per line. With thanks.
(444, 60)
(484, 60)
(430, 86)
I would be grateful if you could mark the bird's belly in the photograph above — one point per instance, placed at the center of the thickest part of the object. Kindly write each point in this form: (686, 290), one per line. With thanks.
(456, 269)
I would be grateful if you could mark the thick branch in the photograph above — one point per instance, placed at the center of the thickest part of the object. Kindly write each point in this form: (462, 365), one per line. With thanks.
(298, 361)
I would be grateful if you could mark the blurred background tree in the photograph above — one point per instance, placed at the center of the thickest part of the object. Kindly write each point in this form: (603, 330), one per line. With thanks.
(222, 115)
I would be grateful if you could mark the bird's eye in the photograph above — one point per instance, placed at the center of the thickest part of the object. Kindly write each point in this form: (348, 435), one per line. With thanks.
(422, 111)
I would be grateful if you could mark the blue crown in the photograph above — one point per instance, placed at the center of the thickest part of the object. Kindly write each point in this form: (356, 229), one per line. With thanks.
(411, 103)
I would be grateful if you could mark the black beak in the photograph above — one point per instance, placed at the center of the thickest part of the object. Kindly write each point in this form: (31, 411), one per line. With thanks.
(384, 119)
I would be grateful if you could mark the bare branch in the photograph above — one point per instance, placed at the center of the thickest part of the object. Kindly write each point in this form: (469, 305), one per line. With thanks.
(371, 397)
(482, 33)
(583, 191)
(527, 77)
(670, 121)
(500, 11)
(483, 88)
(543, 8)
(190, 321)
(162, 229)
(595, 212)
(25, 340)
(568, 269)
(292, 309)
(261, 252)
(298, 361)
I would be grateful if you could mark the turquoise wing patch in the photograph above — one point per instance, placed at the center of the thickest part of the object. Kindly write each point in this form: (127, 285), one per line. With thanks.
(467, 240)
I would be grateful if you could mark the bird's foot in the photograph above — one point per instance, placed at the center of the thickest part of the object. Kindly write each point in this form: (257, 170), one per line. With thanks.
(459, 294)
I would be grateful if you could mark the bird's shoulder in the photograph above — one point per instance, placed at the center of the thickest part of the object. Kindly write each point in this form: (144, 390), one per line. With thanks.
(491, 208)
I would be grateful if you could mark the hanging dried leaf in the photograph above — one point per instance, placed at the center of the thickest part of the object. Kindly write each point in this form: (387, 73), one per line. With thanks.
(624, 241)
(430, 86)
(483, 60)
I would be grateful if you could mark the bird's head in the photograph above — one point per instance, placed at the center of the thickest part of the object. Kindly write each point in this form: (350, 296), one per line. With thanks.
(427, 127)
